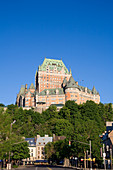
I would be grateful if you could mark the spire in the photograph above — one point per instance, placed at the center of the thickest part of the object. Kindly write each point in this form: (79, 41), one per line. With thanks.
(32, 86)
(39, 67)
(70, 71)
(94, 91)
(36, 73)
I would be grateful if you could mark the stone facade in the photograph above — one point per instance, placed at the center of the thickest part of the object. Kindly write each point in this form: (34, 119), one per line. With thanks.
(54, 84)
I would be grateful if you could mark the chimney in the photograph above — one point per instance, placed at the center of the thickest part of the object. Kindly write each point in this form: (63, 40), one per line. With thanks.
(47, 92)
(77, 82)
(86, 89)
(57, 91)
(25, 87)
(38, 136)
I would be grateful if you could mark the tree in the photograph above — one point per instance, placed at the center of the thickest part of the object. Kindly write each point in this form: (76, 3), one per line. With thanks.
(20, 151)
(64, 113)
(2, 105)
(61, 127)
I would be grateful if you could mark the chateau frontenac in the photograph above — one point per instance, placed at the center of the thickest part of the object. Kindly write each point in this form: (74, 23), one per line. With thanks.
(54, 85)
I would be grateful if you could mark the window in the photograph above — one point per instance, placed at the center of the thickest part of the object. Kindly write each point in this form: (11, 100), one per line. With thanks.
(31, 150)
(32, 154)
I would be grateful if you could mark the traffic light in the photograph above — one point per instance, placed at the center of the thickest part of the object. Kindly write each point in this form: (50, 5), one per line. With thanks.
(93, 159)
(69, 143)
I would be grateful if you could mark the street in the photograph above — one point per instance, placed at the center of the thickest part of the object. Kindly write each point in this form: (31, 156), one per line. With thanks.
(44, 167)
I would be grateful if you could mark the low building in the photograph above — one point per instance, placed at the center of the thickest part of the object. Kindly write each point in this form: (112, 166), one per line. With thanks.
(37, 146)
(40, 145)
(107, 138)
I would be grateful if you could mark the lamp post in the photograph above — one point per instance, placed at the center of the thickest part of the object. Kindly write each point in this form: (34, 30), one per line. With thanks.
(10, 135)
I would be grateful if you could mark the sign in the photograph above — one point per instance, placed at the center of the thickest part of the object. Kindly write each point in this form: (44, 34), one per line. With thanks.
(104, 155)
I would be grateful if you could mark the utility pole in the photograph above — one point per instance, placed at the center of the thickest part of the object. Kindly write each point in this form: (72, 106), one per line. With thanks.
(84, 159)
(90, 155)
(111, 155)
(87, 158)
(104, 155)
(10, 136)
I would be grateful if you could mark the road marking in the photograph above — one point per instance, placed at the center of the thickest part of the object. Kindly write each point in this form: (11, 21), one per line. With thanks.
(49, 168)
(36, 168)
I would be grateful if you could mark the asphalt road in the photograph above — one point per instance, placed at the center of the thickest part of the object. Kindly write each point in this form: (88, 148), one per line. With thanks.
(42, 167)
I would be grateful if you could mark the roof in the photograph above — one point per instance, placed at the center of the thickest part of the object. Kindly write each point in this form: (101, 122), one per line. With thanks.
(51, 63)
(22, 90)
(111, 136)
(51, 92)
(32, 86)
(32, 94)
(57, 138)
(31, 141)
(94, 91)
(58, 105)
(71, 83)
(42, 141)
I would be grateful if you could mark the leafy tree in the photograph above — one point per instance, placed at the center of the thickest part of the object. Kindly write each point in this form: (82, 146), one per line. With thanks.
(2, 105)
(20, 151)
(64, 113)
(61, 127)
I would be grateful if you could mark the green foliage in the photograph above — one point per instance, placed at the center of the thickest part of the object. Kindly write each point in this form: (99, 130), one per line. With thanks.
(61, 127)
(20, 151)
(82, 122)
(2, 105)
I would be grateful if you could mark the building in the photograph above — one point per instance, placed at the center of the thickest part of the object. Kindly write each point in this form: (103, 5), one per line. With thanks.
(37, 146)
(107, 139)
(32, 149)
(54, 84)
(40, 145)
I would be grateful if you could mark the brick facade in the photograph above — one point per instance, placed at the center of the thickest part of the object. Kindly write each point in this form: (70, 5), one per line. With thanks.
(54, 84)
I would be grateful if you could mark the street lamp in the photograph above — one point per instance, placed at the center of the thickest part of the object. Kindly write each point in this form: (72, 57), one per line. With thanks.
(10, 135)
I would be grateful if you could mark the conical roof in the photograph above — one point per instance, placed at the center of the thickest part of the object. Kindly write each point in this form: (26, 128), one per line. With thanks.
(94, 91)
(70, 71)
(32, 86)
(71, 83)
(22, 90)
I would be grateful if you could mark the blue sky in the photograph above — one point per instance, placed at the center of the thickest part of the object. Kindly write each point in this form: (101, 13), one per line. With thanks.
(78, 31)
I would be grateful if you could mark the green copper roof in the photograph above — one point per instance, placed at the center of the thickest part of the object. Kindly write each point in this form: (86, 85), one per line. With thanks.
(51, 63)
(70, 72)
(36, 73)
(32, 86)
(22, 90)
(72, 84)
(51, 92)
(94, 91)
